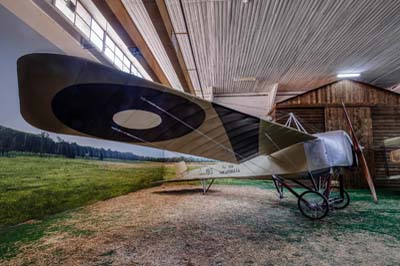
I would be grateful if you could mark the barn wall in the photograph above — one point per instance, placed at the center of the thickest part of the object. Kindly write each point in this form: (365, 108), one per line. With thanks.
(361, 119)
(373, 113)
(347, 91)
(386, 124)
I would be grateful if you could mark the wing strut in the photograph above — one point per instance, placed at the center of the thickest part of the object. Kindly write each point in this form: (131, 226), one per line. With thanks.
(204, 184)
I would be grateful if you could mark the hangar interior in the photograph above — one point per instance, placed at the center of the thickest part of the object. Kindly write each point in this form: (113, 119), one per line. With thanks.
(264, 58)
(200, 132)
(374, 113)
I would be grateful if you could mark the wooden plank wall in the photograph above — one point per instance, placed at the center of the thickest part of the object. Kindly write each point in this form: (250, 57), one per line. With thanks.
(386, 124)
(372, 111)
(347, 91)
(362, 123)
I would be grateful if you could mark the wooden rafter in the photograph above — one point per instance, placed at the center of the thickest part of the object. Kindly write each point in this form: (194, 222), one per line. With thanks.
(162, 23)
(119, 18)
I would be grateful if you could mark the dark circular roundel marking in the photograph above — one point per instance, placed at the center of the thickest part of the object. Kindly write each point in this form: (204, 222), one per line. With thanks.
(90, 108)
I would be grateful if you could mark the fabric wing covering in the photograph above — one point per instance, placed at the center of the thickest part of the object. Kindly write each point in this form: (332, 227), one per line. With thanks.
(71, 95)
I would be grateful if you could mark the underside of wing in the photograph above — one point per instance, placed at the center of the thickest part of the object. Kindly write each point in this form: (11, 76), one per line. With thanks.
(178, 180)
(70, 95)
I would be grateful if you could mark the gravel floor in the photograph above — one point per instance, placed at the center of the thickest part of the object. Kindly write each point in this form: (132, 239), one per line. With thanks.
(232, 225)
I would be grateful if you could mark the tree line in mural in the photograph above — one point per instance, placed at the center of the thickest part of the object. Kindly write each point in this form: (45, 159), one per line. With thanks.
(41, 144)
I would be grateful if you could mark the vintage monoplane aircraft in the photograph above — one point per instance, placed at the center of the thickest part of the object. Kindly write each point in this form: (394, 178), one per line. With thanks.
(70, 95)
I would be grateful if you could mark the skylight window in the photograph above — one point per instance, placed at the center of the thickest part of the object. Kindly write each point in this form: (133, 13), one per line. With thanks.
(100, 38)
(126, 69)
(67, 8)
(96, 29)
(118, 53)
(118, 63)
(83, 20)
(134, 71)
(126, 61)
(109, 43)
(83, 14)
(82, 26)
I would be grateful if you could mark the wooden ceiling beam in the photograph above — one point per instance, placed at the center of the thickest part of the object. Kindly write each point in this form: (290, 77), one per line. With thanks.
(116, 14)
(158, 13)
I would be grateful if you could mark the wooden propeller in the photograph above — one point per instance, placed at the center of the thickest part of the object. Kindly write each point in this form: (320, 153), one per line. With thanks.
(361, 157)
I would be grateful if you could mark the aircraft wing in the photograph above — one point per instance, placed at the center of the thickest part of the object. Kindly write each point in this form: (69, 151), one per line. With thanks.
(71, 95)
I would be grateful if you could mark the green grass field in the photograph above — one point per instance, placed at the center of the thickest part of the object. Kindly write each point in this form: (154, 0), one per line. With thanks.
(50, 190)
(33, 187)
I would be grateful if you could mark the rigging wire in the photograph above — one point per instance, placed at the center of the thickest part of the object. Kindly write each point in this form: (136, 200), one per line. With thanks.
(211, 139)
(179, 120)
(187, 125)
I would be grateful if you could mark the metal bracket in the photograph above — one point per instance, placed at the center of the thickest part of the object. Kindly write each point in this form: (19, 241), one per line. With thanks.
(295, 123)
(278, 185)
(205, 186)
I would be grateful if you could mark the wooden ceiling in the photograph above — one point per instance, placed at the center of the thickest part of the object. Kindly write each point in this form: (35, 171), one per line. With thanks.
(298, 44)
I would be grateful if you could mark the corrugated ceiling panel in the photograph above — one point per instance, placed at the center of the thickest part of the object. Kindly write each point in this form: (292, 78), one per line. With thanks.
(195, 80)
(208, 93)
(175, 12)
(298, 44)
(184, 45)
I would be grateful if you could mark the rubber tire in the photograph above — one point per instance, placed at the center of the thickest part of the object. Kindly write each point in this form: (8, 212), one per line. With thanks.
(319, 194)
(346, 197)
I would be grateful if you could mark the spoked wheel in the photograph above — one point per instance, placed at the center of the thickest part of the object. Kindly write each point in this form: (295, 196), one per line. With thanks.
(336, 200)
(313, 205)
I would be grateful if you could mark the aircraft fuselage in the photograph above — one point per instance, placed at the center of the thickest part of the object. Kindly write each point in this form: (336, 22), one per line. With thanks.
(329, 150)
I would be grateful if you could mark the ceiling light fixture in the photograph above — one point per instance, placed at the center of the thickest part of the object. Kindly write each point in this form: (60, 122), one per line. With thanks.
(348, 75)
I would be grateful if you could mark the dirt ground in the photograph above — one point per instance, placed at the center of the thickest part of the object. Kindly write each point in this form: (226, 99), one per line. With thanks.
(232, 225)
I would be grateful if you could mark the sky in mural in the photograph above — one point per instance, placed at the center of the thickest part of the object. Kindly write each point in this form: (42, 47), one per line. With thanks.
(19, 39)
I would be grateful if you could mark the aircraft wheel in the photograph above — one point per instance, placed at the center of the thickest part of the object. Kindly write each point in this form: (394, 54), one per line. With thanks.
(313, 205)
(336, 200)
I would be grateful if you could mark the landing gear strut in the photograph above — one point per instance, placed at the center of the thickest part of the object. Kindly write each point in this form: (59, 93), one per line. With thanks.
(319, 198)
(338, 199)
(206, 186)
